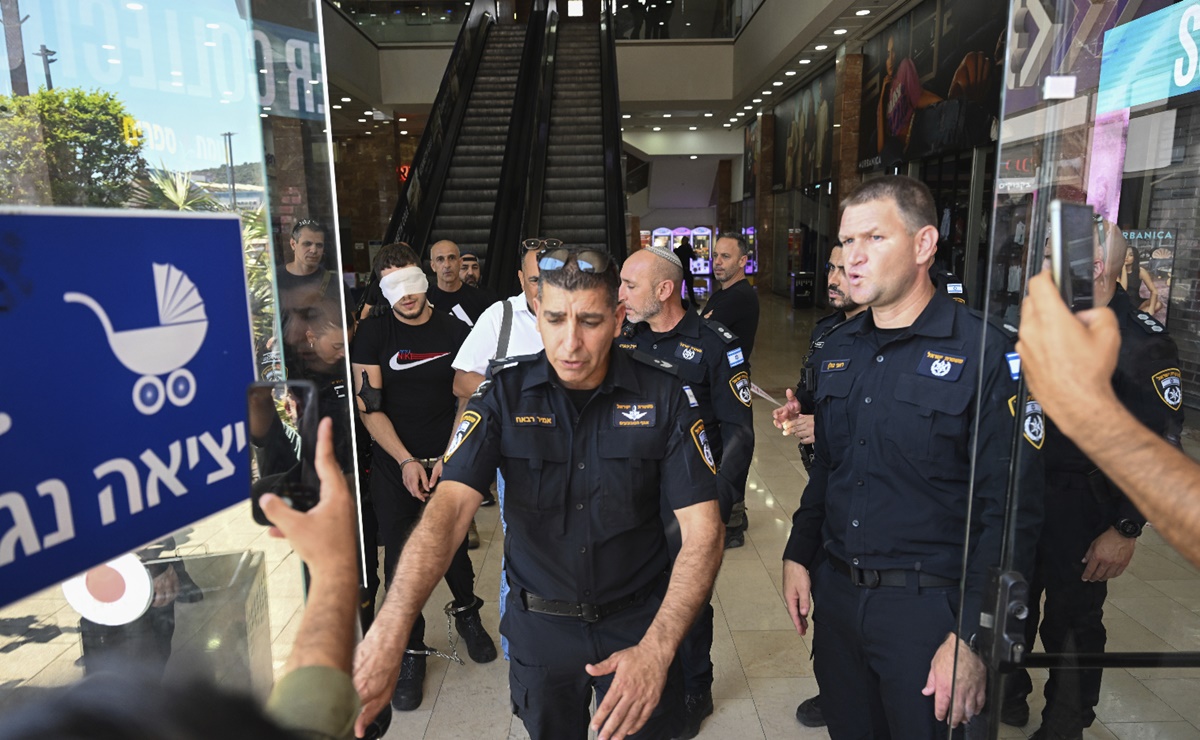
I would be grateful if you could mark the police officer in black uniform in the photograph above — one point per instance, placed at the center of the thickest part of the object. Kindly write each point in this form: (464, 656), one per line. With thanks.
(709, 361)
(888, 494)
(1091, 528)
(593, 442)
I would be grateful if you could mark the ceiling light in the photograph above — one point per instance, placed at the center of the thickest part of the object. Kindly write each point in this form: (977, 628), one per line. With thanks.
(691, 128)
(626, 115)
(133, 6)
(110, 47)
(766, 92)
(777, 83)
(790, 73)
(266, 107)
(114, 61)
(756, 100)
(821, 47)
(733, 120)
(262, 115)
(345, 100)
(404, 133)
(262, 71)
(177, 73)
(708, 115)
(666, 115)
(212, 25)
(839, 32)
(658, 128)
(747, 107)
(402, 120)
(806, 61)
(861, 13)
(693, 157)
(369, 113)
(369, 133)
(210, 43)
(837, 125)
(727, 125)
(741, 113)
(362, 120)
(337, 107)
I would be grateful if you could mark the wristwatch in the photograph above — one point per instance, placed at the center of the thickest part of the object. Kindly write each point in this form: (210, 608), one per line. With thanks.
(1129, 528)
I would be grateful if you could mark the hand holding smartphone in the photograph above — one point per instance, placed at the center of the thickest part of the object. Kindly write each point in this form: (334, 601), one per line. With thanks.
(1073, 241)
(282, 418)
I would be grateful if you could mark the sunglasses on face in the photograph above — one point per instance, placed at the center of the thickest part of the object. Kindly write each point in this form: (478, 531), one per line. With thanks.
(532, 244)
(587, 259)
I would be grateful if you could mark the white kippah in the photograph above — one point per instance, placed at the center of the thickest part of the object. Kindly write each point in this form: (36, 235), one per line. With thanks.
(666, 254)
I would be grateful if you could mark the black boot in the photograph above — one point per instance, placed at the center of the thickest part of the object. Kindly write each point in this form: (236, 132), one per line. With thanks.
(695, 708)
(480, 646)
(809, 712)
(410, 687)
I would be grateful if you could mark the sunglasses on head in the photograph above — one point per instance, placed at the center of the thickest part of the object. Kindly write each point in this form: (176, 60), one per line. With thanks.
(532, 244)
(586, 258)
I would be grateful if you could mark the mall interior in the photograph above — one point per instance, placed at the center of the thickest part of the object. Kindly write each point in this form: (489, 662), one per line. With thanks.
(204, 137)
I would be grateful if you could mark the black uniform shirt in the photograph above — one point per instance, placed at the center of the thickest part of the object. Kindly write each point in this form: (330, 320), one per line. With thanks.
(895, 417)
(737, 308)
(1148, 383)
(710, 362)
(465, 302)
(583, 489)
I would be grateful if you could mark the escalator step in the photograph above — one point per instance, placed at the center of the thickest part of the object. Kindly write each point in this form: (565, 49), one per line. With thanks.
(573, 195)
(579, 236)
(583, 172)
(573, 208)
(469, 196)
(575, 183)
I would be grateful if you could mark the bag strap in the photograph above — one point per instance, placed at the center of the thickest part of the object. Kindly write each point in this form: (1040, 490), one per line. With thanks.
(506, 321)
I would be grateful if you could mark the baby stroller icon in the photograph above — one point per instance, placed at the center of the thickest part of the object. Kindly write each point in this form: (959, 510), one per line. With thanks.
(163, 349)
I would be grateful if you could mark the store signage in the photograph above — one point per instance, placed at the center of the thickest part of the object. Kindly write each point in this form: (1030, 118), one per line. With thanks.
(1151, 59)
(125, 418)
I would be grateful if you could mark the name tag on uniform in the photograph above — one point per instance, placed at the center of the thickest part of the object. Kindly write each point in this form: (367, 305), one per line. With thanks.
(941, 366)
(627, 345)
(834, 366)
(533, 420)
(689, 352)
(633, 415)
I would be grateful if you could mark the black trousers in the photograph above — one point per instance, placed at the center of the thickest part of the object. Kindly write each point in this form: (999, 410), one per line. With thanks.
(551, 691)
(1072, 620)
(695, 653)
(398, 511)
(871, 655)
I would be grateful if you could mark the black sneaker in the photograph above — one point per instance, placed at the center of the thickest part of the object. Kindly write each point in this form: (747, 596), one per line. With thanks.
(489, 496)
(809, 712)
(1045, 733)
(1015, 712)
(695, 708)
(480, 646)
(410, 687)
(734, 538)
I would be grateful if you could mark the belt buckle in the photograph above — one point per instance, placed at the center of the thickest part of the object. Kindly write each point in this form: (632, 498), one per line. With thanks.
(589, 613)
(864, 577)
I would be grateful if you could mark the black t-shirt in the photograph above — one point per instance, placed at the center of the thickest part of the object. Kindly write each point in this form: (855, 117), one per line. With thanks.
(466, 301)
(737, 308)
(418, 380)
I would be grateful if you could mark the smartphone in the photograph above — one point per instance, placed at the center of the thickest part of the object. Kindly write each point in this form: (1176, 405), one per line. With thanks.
(282, 418)
(1073, 237)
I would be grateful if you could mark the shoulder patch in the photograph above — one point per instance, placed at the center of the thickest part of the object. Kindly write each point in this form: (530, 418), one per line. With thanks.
(700, 438)
(1148, 323)
(648, 359)
(735, 357)
(1169, 384)
(740, 384)
(721, 330)
(1033, 421)
(470, 420)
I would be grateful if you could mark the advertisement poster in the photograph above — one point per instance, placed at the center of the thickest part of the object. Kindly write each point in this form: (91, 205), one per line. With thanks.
(1149, 267)
(750, 160)
(932, 82)
(804, 135)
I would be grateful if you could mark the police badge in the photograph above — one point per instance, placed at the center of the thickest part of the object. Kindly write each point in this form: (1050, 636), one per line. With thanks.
(1033, 421)
(470, 420)
(740, 384)
(1169, 384)
(700, 437)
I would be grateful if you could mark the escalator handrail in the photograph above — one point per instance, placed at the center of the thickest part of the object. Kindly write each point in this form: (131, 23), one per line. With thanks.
(412, 218)
(507, 222)
(610, 115)
(536, 187)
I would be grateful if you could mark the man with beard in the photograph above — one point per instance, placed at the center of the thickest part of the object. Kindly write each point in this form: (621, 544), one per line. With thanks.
(468, 270)
(404, 382)
(735, 304)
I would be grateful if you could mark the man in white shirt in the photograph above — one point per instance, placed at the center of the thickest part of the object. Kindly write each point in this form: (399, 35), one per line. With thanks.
(483, 345)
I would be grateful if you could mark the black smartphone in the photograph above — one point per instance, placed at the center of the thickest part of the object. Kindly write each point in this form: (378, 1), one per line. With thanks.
(282, 419)
(1073, 235)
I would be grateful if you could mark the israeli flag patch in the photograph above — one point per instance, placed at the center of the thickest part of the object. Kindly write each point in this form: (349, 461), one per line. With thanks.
(735, 357)
(1014, 365)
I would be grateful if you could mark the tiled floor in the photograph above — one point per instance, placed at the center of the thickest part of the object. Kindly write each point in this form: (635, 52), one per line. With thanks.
(762, 667)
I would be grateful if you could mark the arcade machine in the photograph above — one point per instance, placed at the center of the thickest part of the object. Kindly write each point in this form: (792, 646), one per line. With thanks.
(702, 240)
(662, 238)
(752, 260)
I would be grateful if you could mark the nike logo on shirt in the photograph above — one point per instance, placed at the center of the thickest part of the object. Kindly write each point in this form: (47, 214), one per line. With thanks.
(416, 358)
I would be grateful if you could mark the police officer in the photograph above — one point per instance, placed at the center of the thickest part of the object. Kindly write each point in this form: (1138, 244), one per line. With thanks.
(888, 494)
(716, 376)
(592, 442)
(1091, 528)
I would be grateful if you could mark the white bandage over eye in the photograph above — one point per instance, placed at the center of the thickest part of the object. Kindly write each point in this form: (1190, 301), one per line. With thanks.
(409, 280)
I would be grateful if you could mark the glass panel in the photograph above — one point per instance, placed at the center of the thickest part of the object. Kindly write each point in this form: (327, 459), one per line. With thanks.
(202, 107)
(406, 21)
(1100, 112)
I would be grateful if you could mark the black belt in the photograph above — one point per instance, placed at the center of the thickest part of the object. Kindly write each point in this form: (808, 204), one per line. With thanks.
(587, 612)
(896, 577)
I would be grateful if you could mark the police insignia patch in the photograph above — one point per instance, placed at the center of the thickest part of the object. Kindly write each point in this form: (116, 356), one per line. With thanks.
(470, 420)
(735, 357)
(700, 437)
(691, 397)
(941, 366)
(633, 415)
(740, 384)
(689, 352)
(1169, 384)
(1033, 421)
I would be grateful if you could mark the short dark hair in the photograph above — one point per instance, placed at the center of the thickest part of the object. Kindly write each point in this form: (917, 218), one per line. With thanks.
(570, 278)
(912, 199)
(311, 224)
(397, 254)
(742, 245)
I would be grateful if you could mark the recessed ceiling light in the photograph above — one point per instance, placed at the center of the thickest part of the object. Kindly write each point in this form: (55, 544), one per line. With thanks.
(861, 13)
(839, 32)
(766, 92)
(369, 112)
(756, 100)
(369, 133)
(266, 107)
(345, 100)
(176, 73)
(821, 47)
(402, 120)
(733, 120)
(691, 128)
(658, 128)
(133, 6)
(262, 71)
(837, 125)
(806, 61)
(790, 73)
(362, 120)
(741, 113)
(727, 125)
(666, 115)
(262, 115)
(747, 107)
(693, 157)
(212, 25)
(777, 83)
(708, 115)
(626, 115)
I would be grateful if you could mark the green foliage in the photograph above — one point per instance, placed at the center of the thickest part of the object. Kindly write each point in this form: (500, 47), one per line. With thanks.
(67, 147)
(246, 173)
(164, 190)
